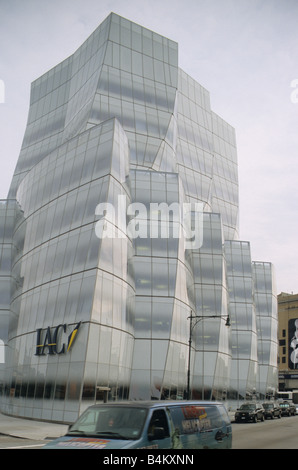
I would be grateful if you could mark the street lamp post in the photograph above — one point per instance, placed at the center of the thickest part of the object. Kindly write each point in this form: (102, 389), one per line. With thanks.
(191, 327)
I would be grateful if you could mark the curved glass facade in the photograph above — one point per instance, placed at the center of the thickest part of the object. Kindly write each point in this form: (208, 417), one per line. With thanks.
(267, 324)
(125, 222)
(211, 336)
(244, 372)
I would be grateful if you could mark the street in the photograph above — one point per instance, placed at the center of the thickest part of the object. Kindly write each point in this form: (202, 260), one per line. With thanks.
(270, 434)
(11, 442)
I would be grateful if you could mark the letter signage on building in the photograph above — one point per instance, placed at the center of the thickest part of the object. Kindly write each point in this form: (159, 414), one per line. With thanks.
(50, 340)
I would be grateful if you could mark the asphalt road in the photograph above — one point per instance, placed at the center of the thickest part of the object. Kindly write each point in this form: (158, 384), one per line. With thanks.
(270, 434)
(10, 442)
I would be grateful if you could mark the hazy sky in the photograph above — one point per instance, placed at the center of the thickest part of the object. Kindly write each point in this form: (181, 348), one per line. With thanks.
(245, 52)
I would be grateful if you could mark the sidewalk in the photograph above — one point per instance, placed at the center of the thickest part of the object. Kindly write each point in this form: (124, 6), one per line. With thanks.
(30, 429)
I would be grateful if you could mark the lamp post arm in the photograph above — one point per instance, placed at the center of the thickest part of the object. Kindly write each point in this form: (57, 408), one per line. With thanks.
(191, 326)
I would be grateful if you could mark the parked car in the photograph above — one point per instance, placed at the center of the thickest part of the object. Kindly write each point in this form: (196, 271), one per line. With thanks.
(287, 408)
(250, 412)
(272, 410)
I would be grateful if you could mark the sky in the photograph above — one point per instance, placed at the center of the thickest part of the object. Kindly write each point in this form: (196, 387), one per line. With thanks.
(244, 52)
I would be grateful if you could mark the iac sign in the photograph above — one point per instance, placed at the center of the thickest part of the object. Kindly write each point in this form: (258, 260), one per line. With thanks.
(50, 340)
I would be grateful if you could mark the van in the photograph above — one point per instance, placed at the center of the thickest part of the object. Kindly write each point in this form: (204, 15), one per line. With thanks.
(149, 425)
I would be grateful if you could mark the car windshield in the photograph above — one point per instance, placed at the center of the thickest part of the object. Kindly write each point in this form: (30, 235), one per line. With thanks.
(247, 407)
(114, 422)
(267, 406)
(284, 405)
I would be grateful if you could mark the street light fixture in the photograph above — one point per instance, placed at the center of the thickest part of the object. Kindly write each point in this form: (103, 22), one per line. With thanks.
(191, 327)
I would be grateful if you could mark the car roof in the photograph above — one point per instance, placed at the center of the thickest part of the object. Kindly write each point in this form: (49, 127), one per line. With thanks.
(250, 403)
(155, 403)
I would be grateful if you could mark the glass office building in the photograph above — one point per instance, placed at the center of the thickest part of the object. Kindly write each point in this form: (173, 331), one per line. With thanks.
(121, 222)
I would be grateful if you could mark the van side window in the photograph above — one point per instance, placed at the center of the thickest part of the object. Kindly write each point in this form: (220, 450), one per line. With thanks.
(214, 419)
(224, 415)
(159, 420)
(177, 418)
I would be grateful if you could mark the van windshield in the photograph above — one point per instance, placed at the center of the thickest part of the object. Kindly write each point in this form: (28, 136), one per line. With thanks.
(114, 422)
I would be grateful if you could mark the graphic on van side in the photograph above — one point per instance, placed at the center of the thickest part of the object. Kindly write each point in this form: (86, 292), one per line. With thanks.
(84, 443)
(195, 419)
